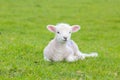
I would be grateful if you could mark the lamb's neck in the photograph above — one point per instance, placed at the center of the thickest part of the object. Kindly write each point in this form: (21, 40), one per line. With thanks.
(60, 44)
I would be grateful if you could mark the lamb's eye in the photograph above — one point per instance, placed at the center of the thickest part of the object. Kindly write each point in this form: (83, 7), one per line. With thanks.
(58, 32)
(69, 32)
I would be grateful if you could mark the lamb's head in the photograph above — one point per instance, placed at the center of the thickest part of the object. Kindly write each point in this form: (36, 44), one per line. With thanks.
(63, 31)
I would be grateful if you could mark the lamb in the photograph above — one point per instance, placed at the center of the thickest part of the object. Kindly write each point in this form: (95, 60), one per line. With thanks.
(62, 47)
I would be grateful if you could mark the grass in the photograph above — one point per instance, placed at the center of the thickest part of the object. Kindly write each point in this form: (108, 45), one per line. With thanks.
(23, 36)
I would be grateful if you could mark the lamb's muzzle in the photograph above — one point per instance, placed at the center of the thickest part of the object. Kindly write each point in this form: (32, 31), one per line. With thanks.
(65, 38)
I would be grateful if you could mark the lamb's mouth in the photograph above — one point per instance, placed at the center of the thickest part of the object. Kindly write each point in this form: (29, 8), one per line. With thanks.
(65, 40)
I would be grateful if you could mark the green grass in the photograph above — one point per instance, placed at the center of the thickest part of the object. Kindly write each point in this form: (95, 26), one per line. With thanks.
(23, 36)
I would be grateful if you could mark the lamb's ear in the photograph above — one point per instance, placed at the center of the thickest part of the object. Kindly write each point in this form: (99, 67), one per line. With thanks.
(51, 28)
(75, 28)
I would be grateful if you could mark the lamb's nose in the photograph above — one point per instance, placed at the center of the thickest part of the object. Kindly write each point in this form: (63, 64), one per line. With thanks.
(65, 38)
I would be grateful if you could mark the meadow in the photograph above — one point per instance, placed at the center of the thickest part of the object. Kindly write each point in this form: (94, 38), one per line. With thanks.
(23, 36)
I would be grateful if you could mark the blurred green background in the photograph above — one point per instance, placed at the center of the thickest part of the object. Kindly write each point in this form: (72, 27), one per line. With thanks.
(23, 36)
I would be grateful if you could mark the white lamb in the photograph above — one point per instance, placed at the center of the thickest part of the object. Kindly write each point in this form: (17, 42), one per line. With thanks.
(62, 47)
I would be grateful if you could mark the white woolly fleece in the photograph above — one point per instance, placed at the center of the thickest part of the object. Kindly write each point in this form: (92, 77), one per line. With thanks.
(62, 47)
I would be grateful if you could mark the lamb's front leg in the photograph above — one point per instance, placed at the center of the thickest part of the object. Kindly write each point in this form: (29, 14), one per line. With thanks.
(46, 59)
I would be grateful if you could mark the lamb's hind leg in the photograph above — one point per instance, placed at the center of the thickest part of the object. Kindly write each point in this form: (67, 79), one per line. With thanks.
(83, 55)
(72, 58)
(93, 54)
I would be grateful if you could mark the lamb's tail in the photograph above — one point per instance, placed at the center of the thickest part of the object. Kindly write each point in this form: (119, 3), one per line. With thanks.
(83, 55)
